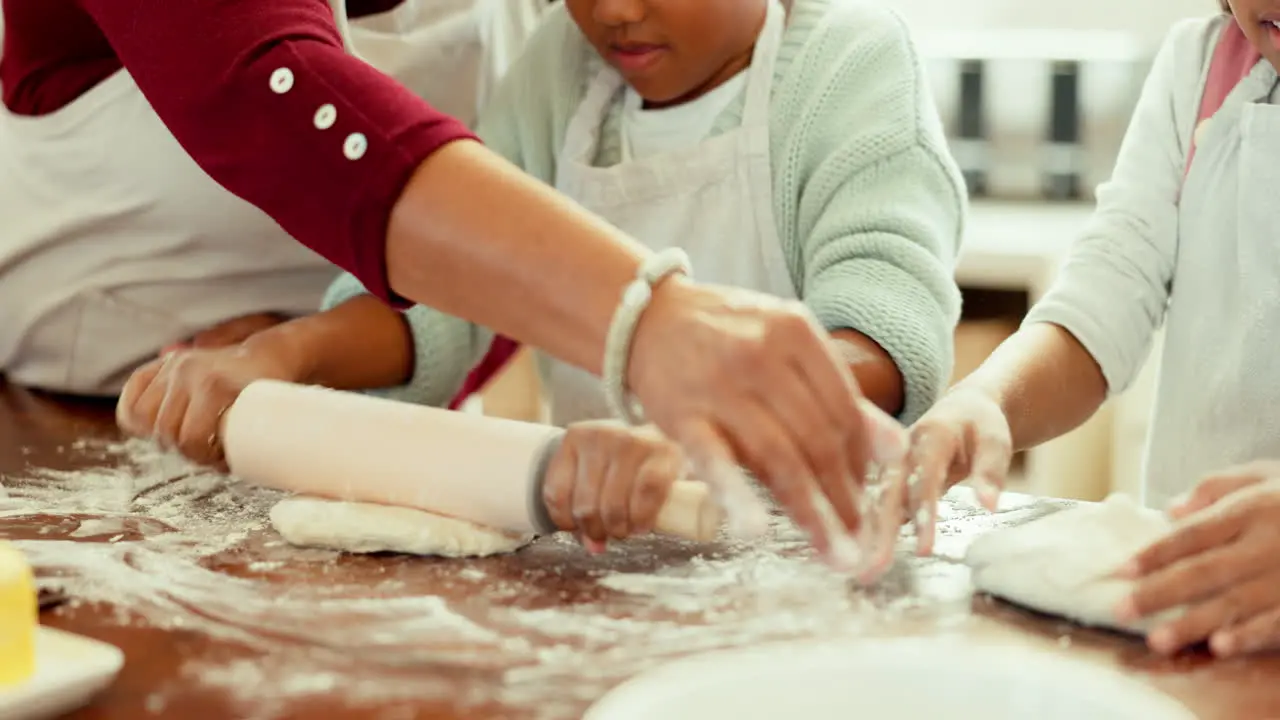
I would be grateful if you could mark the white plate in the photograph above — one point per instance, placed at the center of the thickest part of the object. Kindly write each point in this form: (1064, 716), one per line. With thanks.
(70, 670)
(884, 679)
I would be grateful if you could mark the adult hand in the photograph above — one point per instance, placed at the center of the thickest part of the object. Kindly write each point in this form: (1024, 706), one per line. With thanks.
(179, 399)
(1221, 563)
(609, 481)
(885, 497)
(231, 332)
(965, 436)
(744, 380)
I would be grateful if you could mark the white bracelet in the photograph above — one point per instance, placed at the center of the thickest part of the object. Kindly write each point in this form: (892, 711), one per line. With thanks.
(622, 329)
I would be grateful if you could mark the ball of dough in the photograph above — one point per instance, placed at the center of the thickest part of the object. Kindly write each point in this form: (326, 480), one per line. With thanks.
(1062, 564)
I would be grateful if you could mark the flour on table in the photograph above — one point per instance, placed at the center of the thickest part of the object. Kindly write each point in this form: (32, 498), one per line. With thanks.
(367, 528)
(1062, 564)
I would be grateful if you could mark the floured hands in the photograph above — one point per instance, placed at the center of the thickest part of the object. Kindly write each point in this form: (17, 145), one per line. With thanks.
(179, 399)
(608, 481)
(965, 436)
(744, 380)
(1222, 563)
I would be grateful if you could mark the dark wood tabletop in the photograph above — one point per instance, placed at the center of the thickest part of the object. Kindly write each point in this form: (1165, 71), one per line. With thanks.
(258, 629)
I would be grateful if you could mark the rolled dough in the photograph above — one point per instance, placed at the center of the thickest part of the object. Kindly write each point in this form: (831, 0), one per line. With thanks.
(367, 528)
(1061, 564)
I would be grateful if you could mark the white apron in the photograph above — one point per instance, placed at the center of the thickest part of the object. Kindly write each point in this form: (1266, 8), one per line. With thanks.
(715, 201)
(114, 243)
(1218, 402)
(449, 52)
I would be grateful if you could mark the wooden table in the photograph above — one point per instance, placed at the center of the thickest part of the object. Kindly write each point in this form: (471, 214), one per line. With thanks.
(263, 630)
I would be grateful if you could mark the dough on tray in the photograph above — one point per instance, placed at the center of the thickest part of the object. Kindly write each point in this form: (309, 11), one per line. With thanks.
(367, 528)
(1061, 564)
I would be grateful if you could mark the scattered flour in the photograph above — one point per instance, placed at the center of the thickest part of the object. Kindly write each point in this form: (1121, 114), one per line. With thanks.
(540, 633)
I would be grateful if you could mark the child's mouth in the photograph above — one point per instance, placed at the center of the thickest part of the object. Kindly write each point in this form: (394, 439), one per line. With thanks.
(1272, 29)
(633, 58)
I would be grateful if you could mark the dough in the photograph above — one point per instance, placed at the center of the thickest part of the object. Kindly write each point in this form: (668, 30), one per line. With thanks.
(367, 528)
(1060, 564)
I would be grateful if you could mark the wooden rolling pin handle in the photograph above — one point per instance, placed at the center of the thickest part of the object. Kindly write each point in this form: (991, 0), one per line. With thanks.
(690, 513)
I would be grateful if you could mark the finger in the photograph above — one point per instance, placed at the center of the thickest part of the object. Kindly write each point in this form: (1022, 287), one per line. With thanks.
(771, 453)
(1193, 536)
(1258, 633)
(130, 416)
(885, 504)
(933, 450)
(1213, 489)
(557, 487)
(170, 414)
(153, 401)
(652, 487)
(713, 460)
(989, 466)
(619, 474)
(1223, 611)
(199, 438)
(595, 547)
(587, 490)
(823, 449)
(1196, 578)
(816, 360)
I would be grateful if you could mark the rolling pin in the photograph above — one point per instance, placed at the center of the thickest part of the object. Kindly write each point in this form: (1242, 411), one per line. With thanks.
(354, 447)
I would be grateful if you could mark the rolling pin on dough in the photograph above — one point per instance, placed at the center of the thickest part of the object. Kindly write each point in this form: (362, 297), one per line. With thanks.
(359, 448)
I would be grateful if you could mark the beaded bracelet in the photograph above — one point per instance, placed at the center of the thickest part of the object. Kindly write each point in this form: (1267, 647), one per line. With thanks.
(622, 329)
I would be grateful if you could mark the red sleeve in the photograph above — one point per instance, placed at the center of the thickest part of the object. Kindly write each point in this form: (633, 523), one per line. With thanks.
(262, 95)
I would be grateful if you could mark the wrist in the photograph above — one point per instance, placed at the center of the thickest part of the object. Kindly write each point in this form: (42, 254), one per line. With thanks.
(672, 296)
(287, 348)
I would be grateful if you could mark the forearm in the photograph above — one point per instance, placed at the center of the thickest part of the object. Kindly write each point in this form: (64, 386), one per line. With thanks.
(877, 375)
(1045, 382)
(475, 237)
(359, 345)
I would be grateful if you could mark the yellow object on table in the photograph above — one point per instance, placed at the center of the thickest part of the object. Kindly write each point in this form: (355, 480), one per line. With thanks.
(19, 618)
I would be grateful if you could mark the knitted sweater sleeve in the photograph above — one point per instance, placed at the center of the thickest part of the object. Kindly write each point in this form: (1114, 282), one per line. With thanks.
(872, 198)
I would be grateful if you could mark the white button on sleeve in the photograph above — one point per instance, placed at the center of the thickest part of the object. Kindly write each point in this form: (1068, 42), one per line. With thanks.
(355, 146)
(326, 116)
(281, 81)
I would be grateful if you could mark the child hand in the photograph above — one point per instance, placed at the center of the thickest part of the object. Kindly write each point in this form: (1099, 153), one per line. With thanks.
(1222, 563)
(609, 481)
(231, 332)
(179, 399)
(965, 436)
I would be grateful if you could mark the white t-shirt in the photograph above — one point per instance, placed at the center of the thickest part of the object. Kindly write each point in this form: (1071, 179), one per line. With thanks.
(646, 133)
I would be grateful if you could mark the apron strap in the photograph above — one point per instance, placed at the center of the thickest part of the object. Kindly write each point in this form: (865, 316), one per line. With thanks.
(1233, 59)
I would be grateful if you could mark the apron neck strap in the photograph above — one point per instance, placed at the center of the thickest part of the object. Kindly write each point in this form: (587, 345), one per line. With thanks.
(763, 61)
(1233, 58)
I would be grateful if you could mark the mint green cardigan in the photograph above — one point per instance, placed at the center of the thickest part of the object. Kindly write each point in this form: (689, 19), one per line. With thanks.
(869, 202)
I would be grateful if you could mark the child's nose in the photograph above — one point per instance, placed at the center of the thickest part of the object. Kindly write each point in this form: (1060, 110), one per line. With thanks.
(619, 12)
